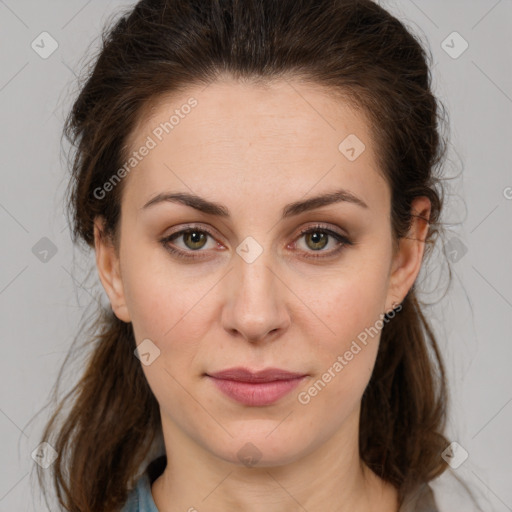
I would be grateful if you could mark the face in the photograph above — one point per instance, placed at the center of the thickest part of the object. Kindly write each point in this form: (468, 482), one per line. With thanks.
(248, 288)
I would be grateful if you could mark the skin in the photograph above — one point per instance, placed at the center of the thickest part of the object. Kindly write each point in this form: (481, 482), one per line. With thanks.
(255, 149)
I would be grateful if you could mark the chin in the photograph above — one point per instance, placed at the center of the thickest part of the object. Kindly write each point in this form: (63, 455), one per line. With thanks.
(260, 449)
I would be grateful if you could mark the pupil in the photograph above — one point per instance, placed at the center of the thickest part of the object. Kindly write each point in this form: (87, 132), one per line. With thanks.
(317, 238)
(194, 238)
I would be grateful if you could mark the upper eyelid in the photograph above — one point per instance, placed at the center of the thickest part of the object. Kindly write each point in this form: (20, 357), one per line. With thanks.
(211, 231)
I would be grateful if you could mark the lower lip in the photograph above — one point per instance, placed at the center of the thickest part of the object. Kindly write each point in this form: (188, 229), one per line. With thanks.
(256, 394)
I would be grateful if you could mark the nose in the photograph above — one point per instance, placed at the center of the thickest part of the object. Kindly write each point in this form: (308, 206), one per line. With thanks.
(255, 307)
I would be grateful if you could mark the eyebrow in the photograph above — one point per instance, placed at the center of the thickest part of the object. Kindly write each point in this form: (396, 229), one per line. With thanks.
(290, 210)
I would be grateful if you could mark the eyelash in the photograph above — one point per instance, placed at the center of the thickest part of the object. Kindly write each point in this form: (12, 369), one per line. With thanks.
(344, 241)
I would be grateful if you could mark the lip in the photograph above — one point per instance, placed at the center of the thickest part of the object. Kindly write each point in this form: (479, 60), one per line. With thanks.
(256, 388)
(241, 374)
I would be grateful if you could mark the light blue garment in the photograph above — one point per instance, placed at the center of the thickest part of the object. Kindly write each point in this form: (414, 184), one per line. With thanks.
(141, 499)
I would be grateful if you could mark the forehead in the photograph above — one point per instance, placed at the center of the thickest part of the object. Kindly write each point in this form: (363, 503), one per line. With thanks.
(232, 138)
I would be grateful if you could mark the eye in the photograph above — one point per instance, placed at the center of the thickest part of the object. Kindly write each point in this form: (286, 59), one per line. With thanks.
(316, 238)
(193, 238)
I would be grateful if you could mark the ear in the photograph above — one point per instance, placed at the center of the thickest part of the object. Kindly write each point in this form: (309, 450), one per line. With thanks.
(408, 257)
(107, 262)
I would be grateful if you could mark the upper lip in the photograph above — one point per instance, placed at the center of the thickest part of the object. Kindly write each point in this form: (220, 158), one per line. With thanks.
(246, 375)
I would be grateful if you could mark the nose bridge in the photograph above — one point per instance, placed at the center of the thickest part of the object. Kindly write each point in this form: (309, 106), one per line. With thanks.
(255, 281)
(255, 299)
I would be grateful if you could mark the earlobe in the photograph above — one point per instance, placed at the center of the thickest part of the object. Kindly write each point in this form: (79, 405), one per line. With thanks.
(409, 256)
(107, 263)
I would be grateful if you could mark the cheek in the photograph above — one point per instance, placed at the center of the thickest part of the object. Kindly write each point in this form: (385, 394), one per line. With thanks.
(152, 308)
(345, 359)
(153, 295)
(347, 304)
(166, 308)
(350, 310)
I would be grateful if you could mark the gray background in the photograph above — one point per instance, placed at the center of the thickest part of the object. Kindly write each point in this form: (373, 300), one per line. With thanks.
(42, 301)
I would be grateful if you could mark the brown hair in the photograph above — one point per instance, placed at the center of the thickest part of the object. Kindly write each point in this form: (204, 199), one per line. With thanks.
(354, 48)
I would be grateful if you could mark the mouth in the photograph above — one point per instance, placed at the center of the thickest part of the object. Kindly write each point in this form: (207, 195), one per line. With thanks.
(256, 388)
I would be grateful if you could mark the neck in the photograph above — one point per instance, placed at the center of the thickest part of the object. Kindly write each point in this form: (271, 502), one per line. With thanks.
(329, 477)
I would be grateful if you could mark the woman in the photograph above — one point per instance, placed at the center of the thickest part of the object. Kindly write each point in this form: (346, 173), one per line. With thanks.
(258, 181)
